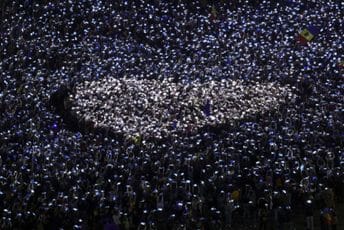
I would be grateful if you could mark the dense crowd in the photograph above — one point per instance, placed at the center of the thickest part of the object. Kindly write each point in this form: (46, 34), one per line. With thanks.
(256, 173)
(159, 109)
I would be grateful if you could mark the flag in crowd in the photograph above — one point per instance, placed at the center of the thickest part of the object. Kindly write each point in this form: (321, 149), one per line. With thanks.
(341, 64)
(307, 34)
(213, 13)
(207, 108)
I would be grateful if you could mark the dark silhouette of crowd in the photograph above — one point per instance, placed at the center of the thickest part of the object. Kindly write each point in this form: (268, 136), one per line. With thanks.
(260, 171)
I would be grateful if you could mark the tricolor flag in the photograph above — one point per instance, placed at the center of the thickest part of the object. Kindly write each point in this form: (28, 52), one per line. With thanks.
(341, 64)
(207, 108)
(213, 15)
(307, 34)
(137, 139)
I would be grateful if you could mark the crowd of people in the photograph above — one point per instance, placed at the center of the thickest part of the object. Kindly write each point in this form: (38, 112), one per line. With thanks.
(159, 109)
(256, 173)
